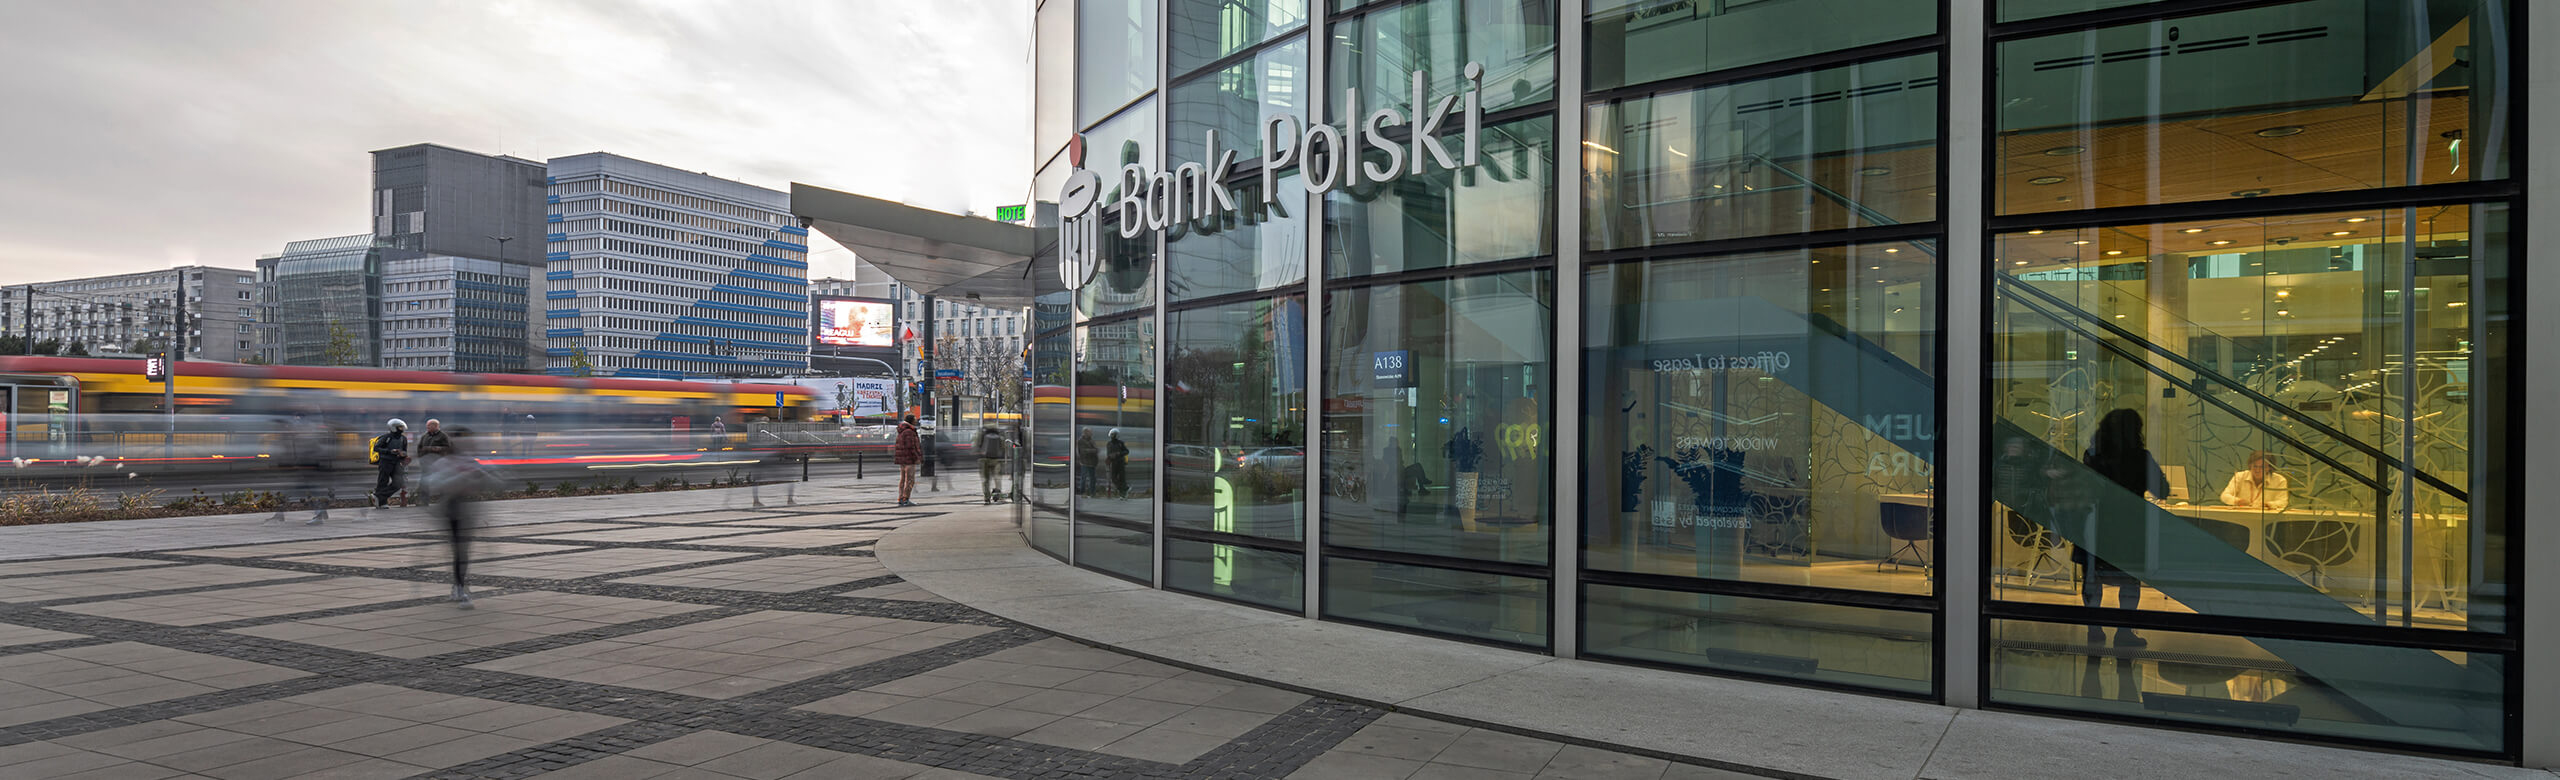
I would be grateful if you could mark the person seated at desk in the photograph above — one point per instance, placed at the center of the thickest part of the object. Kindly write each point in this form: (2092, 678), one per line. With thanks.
(2259, 486)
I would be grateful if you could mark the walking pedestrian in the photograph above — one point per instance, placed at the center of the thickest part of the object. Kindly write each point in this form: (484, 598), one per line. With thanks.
(907, 454)
(389, 453)
(459, 481)
(990, 445)
(1119, 465)
(433, 446)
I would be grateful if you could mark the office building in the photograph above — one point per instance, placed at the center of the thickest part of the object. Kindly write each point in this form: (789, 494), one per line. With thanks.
(131, 314)
(321, 303)
(461, 241)
(659, 272)
(2150, 362)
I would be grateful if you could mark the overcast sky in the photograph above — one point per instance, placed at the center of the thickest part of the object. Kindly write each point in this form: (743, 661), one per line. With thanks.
(141, 134)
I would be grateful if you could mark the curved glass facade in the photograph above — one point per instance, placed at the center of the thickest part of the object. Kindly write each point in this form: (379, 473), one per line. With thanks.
(2192, 404)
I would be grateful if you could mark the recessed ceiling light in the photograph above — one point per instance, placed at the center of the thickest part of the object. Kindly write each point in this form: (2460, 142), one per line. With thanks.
(2192, 230)
(1892, 251)
(1877, 170)
(2064, 151)
(2280, 132)
(2021, 262)
(2354, 220)
(2081, 242)
(1875, 268)
(2115, 251)
(2251, 193)
(2035, 232)
(2045, 180)
(2222, 242)
(2342, 232)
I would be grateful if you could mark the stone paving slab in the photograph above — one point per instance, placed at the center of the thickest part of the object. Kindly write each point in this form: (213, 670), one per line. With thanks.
(305, 654)
(784, 574)
(641, 534)
(799, 540)
(218, 606)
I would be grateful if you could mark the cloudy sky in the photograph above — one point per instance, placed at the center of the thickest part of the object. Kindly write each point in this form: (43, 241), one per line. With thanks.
(142, 134)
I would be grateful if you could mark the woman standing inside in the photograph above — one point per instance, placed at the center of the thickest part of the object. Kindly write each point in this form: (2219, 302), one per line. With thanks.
(2120, 456)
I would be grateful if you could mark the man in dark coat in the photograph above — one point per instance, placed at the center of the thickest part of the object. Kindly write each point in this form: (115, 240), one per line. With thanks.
(390, 454)
(907, 454)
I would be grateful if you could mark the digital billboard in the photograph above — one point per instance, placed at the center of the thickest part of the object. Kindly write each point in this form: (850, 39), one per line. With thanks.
(857, 322)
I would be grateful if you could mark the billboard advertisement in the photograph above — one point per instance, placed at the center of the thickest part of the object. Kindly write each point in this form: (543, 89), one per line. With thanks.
(854, 395)
(857, 322)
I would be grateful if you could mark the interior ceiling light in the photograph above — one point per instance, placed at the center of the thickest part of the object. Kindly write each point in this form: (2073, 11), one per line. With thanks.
(2115, 251)
(2192, 230)
(1596, 145)
(1892, 251)
(2222, 242)
(2342, 232)
(2280, 131)
(2064, 151)
(2354, 220)
(2021, 262)
(2046, 180)
(2081, 242)
(1878, 170)
(2251, 193)
(2035, 232)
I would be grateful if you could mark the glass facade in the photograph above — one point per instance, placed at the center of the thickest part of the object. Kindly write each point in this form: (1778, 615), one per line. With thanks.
(2205, 417)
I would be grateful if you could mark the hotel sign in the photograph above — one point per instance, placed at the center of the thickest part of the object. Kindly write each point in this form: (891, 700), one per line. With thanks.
(1328, 156)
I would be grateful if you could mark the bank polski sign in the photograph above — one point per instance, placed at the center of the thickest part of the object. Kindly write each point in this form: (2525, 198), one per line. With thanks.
(1327, 156)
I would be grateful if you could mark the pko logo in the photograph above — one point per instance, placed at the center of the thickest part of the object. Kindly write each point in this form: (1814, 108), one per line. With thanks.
(1357, 152)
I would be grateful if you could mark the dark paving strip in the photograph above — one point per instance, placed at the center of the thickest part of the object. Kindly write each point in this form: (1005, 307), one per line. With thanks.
(120, 717)
(966, 752)
(136, 565)
(810, 600)
(58, 644)
(1289, 741)
(64, 602)
(557, 641)
(823, 686)
(562, 754)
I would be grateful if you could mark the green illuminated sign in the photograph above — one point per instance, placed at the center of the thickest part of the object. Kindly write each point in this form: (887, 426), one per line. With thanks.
(1009, 213)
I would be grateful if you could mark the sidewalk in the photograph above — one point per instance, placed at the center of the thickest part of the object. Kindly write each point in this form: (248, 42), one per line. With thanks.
(1751, 727)
(653, 635)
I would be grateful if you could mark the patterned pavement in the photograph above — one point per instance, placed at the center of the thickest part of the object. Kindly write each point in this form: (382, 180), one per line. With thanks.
(758, 644)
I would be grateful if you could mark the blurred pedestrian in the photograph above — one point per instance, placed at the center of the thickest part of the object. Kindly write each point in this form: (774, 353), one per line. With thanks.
(1088, 464)
(1119, 455)
(433, 446)
(459, 480)
(389, 454)
(908, 452)
(990, 447)
(305, 451)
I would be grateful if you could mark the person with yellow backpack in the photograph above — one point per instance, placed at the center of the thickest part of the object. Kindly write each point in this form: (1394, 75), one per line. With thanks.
(388, 454)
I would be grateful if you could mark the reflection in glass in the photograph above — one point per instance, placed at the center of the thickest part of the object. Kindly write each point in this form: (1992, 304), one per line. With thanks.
(1234, 101)
(1129, 138)
(1636, 41)
(1377, 53)
(1436, 417)
(2320, 96)
(2439, 698)
(1262, 248)
(1115, 55)
(1248, 574)
(1485, 606)
(1115, 443)
(1502, 209)
(1854, 146)
(1842, 645)
(1767, 417)
(1235, 446)
(1126, 280)
(1052, 426)
(2021, 10)
(1202, 31)
(1053, 81)
(2258, 352)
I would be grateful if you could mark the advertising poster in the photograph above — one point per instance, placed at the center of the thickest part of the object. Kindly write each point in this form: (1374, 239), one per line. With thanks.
(855, 322)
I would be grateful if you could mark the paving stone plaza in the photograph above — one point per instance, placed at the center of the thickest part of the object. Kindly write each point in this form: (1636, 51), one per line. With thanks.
(683, 635)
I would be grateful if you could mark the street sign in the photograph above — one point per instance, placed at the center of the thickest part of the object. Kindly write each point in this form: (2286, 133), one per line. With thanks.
(946, 373)
(777, 400)
(156, 367)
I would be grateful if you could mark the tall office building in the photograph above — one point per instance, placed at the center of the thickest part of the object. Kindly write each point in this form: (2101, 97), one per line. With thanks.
(659, 272)
(320, 302)
(460, 234)
(132, 313)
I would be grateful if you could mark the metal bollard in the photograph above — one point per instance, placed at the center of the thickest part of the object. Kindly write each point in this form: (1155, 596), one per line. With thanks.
(857, 464)
(804, 468)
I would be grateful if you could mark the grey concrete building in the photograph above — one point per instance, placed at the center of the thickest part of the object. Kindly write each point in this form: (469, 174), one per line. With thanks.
(660, 272)
(446, 220)
(133, 313)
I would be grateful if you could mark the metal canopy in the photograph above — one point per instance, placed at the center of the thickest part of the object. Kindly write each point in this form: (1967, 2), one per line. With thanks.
(932, 252)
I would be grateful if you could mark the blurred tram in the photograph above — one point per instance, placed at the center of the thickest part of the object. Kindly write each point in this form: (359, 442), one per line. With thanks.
(65, 409)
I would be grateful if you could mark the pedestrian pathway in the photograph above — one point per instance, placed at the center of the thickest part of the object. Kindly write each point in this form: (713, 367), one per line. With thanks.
(663, 635)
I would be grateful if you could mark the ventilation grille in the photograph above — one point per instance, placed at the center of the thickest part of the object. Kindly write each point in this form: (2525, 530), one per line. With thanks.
(2189, 47)
(1836, 95)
